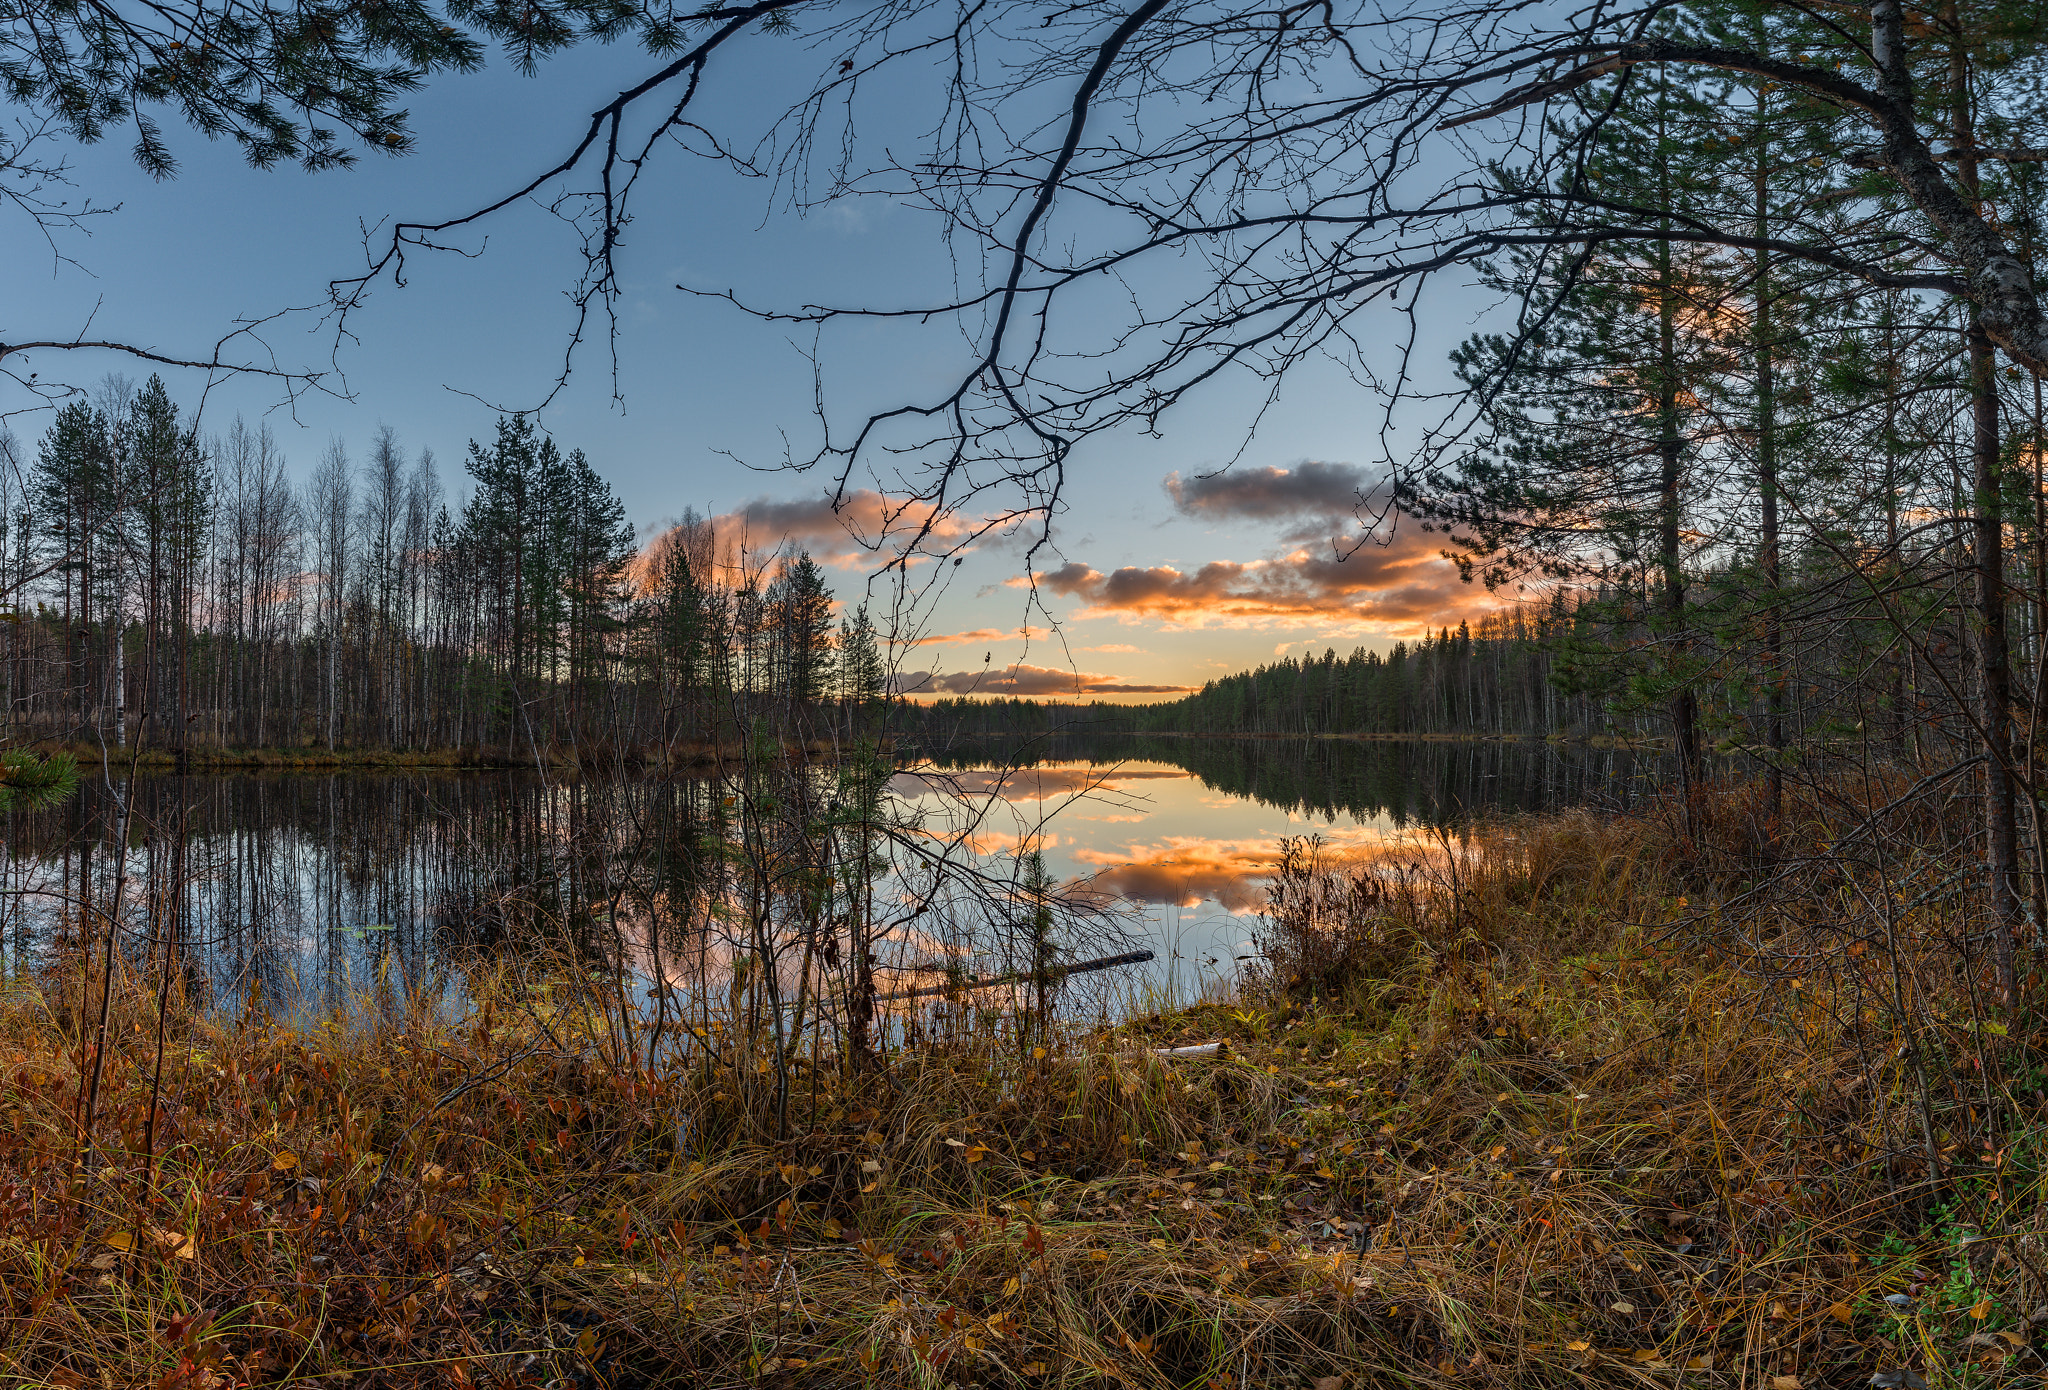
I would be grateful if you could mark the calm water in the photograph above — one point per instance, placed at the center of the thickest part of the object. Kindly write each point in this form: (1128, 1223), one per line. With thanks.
(306, 888)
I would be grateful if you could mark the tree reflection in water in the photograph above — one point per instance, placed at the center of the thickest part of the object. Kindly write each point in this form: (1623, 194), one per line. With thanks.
(798, 894)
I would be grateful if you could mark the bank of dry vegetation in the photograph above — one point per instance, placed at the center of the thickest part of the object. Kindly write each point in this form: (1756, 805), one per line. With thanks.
(1573, 1103)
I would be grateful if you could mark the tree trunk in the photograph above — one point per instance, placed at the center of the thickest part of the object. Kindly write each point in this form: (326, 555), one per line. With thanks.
(1987, 525)
(1684, 706)
(1767, 483)
(1994, 676)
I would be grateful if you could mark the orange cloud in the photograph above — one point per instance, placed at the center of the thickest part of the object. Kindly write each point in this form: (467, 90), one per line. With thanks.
(863, 523)
(982, 635)
(1401, 585)
(1187, 871)
(864, 527)
(1031, 783)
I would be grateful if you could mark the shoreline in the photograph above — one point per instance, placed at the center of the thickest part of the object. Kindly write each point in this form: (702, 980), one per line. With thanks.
(217, 759)
(697, 755)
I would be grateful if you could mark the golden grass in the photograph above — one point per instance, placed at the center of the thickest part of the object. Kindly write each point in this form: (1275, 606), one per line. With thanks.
(1564, 1132)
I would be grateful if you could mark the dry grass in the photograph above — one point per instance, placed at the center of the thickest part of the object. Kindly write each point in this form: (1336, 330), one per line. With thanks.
(1560, 1124)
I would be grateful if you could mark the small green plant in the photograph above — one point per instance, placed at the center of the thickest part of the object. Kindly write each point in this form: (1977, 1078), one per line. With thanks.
(1253, 1021)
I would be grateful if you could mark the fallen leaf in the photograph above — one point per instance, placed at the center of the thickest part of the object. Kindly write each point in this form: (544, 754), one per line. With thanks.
(285, 1161)
(1784, 1383)
(1841, 1312)
(176, 1244)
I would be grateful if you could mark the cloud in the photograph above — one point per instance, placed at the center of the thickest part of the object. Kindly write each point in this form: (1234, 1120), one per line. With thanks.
(1189, 870)
(1033, 783)
(861, 531)
(1111, 647)
(1320, 498)
(1402, 585)
(863, 520)
(983, 636)
(1025, 681)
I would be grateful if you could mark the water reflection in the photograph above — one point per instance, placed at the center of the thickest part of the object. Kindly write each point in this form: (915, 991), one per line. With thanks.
(1403, 783)
(308, 891)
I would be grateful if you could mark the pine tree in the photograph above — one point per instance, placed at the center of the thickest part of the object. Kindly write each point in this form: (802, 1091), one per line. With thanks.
(75, 490)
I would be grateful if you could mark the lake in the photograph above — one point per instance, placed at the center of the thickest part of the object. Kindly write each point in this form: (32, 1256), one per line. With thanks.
(306, 890)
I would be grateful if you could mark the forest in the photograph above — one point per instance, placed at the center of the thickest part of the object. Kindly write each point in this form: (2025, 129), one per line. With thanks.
(180, 591)
(1511, 677)
(799, 1066)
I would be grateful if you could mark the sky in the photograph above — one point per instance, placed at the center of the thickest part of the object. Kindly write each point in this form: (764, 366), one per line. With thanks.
(1161, 571)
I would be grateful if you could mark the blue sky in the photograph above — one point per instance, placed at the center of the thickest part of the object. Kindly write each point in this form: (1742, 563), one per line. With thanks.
(1152, 587)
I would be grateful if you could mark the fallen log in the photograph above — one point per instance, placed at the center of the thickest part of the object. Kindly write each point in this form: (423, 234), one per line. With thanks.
(1018, 977)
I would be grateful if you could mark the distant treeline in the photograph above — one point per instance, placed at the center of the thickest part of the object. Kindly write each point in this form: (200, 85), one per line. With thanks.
(1515, 674)
(167, 589)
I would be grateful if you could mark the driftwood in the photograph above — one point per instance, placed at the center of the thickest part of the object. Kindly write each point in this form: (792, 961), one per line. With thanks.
(1019, 976)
